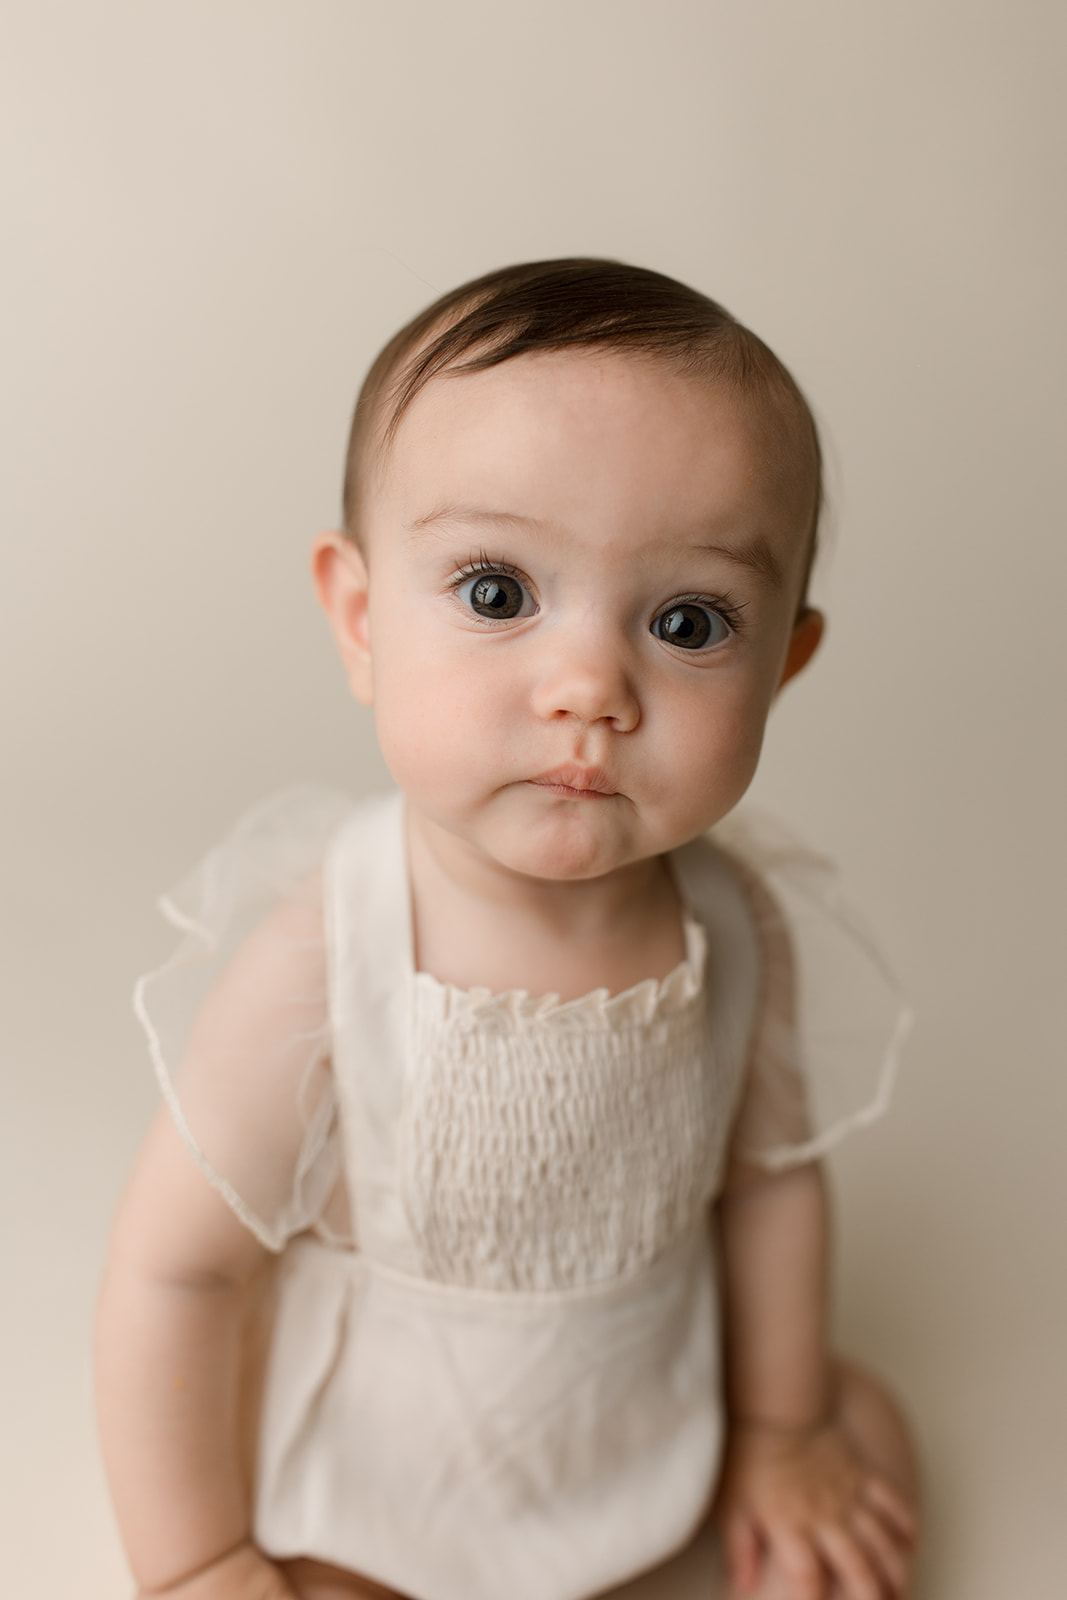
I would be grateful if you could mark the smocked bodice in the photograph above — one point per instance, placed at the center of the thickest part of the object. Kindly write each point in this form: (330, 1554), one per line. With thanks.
(554, 1144)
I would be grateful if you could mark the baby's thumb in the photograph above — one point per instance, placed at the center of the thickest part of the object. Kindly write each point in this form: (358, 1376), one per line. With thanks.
(742, 1551)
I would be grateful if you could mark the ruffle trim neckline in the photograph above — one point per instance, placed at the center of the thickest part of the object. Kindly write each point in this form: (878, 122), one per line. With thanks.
(517, 1009)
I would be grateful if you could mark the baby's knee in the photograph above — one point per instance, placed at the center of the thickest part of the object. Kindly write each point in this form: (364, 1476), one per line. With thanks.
(876, 1423)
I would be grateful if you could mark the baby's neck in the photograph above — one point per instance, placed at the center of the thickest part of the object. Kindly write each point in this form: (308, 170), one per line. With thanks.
(477, 925)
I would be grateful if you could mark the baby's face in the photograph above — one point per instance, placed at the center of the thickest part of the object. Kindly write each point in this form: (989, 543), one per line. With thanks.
(583, 582)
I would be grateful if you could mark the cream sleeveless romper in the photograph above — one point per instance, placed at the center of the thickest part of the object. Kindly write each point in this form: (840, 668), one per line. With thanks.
(509, 1389)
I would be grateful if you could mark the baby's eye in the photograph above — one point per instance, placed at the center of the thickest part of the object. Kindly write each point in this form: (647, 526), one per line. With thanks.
(498, 596)
(690, 626)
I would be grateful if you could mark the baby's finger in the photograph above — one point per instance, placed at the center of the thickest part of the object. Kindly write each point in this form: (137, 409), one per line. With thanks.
(890, 1560)
(742, 1551)
(850, 1563)
(799, 1564)
(892, 1506)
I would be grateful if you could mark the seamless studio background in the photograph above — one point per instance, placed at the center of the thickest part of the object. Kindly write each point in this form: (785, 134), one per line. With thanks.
(213, 214)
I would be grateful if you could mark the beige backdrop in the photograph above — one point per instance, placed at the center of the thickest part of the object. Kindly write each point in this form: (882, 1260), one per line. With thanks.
(214, 211)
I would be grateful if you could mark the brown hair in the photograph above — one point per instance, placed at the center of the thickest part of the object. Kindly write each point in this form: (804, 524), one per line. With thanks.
(577, 303)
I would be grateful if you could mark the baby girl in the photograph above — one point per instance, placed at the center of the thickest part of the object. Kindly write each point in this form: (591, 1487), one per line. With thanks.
(505, 1080)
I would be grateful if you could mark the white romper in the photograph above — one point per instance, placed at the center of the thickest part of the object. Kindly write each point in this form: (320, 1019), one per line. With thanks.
(510, 1386)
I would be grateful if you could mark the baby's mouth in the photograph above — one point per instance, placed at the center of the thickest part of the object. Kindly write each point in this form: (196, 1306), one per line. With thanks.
(576, 783)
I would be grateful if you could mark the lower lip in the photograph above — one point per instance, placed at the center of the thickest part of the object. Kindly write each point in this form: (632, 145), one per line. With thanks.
(567, 793)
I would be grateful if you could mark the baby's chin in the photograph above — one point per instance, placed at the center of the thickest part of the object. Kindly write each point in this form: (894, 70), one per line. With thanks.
(564, 848)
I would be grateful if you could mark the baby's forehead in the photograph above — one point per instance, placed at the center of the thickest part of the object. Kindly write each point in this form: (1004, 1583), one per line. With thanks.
(641, 413)
(570, 454)
(596, 383)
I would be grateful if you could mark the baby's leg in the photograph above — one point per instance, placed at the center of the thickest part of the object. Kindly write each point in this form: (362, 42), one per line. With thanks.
(874, 1422)
(316, 1580)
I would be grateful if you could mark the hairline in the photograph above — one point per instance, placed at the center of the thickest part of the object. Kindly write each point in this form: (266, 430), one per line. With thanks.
(727, 356)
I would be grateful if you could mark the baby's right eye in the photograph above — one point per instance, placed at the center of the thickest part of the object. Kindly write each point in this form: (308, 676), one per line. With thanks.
(495, 595)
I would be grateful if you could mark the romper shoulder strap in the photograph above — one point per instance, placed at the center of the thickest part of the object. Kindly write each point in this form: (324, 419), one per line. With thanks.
(371, 970)
(711, 888)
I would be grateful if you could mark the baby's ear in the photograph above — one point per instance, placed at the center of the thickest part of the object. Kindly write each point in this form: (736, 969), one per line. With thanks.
(803, 643)
(340, 575)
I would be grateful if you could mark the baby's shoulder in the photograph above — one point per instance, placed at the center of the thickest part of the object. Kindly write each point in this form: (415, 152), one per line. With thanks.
(250, 961)
(276, 974)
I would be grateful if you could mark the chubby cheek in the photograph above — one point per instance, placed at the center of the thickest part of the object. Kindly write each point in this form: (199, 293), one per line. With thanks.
(717, 749)
(440, 733)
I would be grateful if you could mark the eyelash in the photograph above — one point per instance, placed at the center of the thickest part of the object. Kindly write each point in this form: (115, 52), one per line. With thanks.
(723, 605)
(477, 565)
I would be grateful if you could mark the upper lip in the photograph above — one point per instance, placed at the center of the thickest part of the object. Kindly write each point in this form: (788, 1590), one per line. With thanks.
(593, 780)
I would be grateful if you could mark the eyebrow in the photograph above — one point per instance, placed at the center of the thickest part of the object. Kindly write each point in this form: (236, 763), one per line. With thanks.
(754, 554)
(450, 513)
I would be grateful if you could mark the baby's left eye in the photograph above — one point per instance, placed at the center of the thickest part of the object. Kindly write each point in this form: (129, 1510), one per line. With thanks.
(690, 626)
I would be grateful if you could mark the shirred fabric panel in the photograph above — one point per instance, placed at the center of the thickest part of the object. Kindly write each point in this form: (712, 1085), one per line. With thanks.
(553, 1145)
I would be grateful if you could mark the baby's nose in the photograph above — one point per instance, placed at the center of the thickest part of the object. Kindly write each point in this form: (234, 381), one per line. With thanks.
(591, 680)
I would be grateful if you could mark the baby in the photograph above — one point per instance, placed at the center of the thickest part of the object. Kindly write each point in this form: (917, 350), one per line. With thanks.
(503, 1080)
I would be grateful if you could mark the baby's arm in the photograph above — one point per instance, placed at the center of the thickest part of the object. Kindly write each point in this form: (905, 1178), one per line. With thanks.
(169, 1343)
(774, 1234)
(168, 1380)
(800, 1495)
(800, 1485)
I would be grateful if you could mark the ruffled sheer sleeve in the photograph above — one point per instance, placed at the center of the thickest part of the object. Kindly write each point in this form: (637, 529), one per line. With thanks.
(237, 1018)
(832, 1019)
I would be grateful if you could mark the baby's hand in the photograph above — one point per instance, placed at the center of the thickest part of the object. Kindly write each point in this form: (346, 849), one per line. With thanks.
(242, 1574)
(804, 1509)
